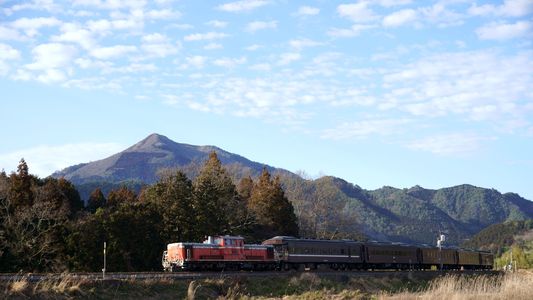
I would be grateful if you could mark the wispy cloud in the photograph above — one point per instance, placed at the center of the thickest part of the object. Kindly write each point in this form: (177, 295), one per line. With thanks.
(400, 18)
(44, 160)
(455, 144)
(505, 31)
(365, 128)
(307, 11)
(205, 36)
(261, 25)
(242, 6)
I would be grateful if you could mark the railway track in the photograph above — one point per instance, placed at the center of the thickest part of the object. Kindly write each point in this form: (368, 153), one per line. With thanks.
(35, 277)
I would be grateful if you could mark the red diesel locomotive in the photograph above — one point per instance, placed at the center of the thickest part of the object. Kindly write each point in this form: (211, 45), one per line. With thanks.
(218, 253)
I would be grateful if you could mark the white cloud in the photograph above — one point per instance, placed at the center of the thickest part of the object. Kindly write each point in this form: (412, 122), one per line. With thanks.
(51, 56)
(8, 53)
(505, 31)
(510, 8)
(400, 18)
(304, 43)
(442, 16)
(133, 68)
(264, 67)
(113, 51)
(253, 47)
(75, 34)
(229, 62)
(7, 33)
(162, 14)
(196, 61)
(213, 46)
(390, 3)
(365, 128)
(217, 24)
(287, 58)
(111, 4)
(101, 26)
(479, 85)
(353, 31)
(46, 5)
(357, 12)
(450, 144)
(260, 25)
(307, 11)
(158, 45)
(205, 36)
(31, 26)
(51, 76)
(241, 6)
(44, 160)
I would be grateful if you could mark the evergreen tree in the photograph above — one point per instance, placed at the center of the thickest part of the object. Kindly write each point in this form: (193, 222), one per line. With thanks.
(172, 196)
(72, 194)
(96, 200)
(215, 199)
(20, 193)
(273, 211)
(245, 188)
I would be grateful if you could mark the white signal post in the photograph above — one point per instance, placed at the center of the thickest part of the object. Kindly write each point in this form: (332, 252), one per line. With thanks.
(103, 270)
(440, 240)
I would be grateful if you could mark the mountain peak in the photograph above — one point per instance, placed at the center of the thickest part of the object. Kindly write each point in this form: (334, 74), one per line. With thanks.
(151, 142)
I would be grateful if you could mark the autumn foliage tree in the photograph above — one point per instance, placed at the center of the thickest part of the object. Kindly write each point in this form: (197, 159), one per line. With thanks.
(96, 200)
(273, 211)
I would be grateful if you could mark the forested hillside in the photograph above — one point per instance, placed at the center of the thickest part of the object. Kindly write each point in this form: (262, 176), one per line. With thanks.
(498, 237)
(45, 227)
(326, 207)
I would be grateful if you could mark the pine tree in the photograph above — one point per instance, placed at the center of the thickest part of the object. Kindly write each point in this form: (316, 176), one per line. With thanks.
(273, 211)
(215, 198)
(20, 193)
(96, 200)
(172, 196)
(245, 188)
(72, 194)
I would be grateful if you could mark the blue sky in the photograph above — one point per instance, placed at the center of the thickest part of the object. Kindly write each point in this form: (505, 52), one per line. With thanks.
(383, 92)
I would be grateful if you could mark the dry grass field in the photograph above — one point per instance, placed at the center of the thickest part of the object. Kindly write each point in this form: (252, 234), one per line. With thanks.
(517, 285)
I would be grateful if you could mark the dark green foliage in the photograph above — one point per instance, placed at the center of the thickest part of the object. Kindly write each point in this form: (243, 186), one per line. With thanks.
(34, 218)
(172, 196)
(132, 233)
(271, 208)
(214, 199)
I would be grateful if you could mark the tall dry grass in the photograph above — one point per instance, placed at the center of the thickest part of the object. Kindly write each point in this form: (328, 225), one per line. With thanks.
(509, 286)
(56, 285)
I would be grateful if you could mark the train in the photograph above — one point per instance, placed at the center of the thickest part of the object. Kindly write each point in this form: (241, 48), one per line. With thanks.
(284, 253)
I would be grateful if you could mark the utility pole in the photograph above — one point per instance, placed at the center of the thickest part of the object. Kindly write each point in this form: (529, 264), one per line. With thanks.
(103, 270)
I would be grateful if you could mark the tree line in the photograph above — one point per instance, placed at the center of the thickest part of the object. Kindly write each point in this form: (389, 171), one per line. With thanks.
(45, 226)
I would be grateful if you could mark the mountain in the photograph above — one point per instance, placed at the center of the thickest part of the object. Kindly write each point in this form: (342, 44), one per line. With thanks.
(326, 206)
(414, 215)
(144, 163)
